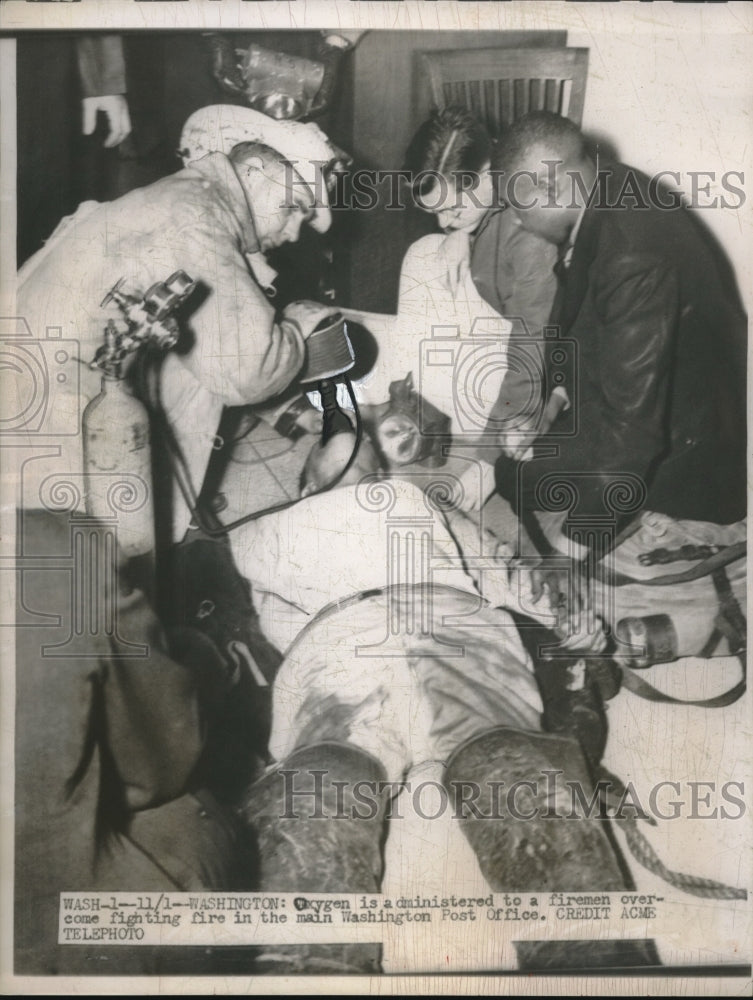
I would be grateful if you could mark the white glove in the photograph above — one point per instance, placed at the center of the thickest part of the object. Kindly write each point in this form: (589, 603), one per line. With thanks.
(115, 108)
(307, 315)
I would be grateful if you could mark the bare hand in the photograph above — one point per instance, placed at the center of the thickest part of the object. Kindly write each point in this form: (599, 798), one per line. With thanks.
(343, 38)
(115, 108)
(567, 592)
(516, 444)
(311, 421)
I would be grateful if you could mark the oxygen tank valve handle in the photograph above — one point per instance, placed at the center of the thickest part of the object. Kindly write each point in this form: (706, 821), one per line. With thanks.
(115, 294)
(150, 319)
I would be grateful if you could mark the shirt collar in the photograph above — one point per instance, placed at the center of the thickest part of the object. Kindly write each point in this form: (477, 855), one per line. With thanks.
(486, 219)
(566, 253)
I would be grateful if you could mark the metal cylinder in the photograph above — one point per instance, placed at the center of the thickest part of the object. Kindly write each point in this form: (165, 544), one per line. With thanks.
(117, 466)
(653, 637)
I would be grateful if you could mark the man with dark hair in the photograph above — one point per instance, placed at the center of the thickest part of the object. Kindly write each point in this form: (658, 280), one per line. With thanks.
(658, 392)
(450, 159)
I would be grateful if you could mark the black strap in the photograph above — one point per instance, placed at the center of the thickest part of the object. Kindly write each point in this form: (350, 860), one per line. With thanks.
(731, 620)
(634, 683)
(711, 643)
(706, 567)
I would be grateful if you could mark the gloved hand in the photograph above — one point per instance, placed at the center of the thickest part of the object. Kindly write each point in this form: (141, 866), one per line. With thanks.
(307, 315)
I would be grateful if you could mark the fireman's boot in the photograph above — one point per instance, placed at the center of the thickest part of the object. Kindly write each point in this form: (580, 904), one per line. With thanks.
(318, 822)
(528, 810)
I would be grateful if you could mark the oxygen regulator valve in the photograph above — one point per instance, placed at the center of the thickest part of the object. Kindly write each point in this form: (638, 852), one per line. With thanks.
(150, 320)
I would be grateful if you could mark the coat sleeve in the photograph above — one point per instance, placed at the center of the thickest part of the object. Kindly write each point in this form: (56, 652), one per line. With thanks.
(526, 285)
(532, 282)
(637, 305)
(238, 351)
(634, 314)
(101, 65)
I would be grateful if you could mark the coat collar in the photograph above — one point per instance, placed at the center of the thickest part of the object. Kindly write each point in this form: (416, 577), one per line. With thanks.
(574, 277)
(220, 172)
(565, 251)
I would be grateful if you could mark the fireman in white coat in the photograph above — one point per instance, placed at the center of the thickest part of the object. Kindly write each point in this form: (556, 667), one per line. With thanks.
(235, 199)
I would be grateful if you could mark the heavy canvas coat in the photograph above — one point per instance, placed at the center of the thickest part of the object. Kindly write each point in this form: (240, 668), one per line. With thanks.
(232, 351)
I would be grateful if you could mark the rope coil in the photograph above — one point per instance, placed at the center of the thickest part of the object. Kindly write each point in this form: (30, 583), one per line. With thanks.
(646, 856)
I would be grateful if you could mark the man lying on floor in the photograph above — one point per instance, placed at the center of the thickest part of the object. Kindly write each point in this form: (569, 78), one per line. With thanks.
(391, 659)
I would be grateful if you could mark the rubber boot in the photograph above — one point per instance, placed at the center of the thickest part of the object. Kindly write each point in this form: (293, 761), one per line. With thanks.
(531, 830)
(313, 835)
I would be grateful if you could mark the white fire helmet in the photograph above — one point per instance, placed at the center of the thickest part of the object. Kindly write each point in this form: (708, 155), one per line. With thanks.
(219, 127)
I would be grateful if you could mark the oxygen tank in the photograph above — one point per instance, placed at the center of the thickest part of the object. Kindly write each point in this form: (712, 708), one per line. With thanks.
(115, 429)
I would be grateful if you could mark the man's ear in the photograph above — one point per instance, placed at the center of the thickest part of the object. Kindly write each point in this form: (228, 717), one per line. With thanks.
(255, 163)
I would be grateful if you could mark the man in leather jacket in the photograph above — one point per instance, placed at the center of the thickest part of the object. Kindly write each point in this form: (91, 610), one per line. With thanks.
(654, 396)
